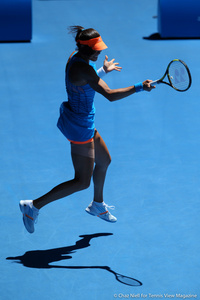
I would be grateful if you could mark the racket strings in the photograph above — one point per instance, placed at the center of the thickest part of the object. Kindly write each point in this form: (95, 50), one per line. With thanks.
(179, 76)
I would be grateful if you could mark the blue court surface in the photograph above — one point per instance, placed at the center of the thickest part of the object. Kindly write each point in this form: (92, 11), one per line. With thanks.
(153, 180)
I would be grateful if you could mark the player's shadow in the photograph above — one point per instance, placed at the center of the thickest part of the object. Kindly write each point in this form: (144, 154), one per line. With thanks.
(43, 259)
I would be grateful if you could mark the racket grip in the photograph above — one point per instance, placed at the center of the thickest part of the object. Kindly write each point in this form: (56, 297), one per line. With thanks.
(155, 82)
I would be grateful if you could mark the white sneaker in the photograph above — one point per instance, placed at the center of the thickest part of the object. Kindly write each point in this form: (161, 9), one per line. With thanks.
(101, 210)
(30, 214)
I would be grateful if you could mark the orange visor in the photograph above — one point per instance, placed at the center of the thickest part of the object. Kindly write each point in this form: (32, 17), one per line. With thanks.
(96, 44)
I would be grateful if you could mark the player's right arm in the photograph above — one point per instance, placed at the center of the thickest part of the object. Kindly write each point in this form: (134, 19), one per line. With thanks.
(101, 87)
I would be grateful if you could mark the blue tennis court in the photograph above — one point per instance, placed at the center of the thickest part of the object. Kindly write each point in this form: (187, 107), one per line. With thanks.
(153, 180)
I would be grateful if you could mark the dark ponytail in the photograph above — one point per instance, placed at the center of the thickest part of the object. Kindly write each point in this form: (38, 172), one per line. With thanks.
(76, 31)
(83, 34)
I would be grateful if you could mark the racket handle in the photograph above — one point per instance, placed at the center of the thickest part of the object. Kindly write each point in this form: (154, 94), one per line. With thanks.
(155, 82)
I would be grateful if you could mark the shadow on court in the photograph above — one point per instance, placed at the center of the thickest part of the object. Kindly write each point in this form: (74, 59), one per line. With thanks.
(42, 259)
(157, 37)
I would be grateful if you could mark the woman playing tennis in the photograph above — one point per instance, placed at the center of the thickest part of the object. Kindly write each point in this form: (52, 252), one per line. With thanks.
(89, 153)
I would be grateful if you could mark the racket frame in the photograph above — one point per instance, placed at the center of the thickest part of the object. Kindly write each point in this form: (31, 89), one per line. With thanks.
(158, 81)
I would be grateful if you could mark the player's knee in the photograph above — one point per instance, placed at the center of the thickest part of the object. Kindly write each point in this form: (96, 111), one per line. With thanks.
(109, 160)
(83, 183)
(86, 184)
(106, 162)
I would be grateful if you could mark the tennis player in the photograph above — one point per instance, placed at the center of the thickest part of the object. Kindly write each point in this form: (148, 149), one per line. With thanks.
(89, 153)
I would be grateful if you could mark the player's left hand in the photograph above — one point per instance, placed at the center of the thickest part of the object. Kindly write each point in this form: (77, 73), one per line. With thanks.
(110, 65)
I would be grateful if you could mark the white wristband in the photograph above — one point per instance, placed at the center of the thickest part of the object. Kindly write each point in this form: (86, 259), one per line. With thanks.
(101, 72)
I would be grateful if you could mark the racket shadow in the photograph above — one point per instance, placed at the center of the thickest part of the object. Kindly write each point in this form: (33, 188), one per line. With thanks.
(43, 259)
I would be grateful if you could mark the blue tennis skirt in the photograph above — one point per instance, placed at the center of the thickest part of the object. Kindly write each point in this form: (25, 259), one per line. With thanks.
(75, 127)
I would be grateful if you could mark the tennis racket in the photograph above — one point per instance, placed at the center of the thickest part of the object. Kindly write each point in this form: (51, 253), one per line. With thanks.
(178, 75)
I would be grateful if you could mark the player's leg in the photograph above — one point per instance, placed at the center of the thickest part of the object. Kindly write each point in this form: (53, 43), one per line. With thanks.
(83, 161)
(102, 160)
